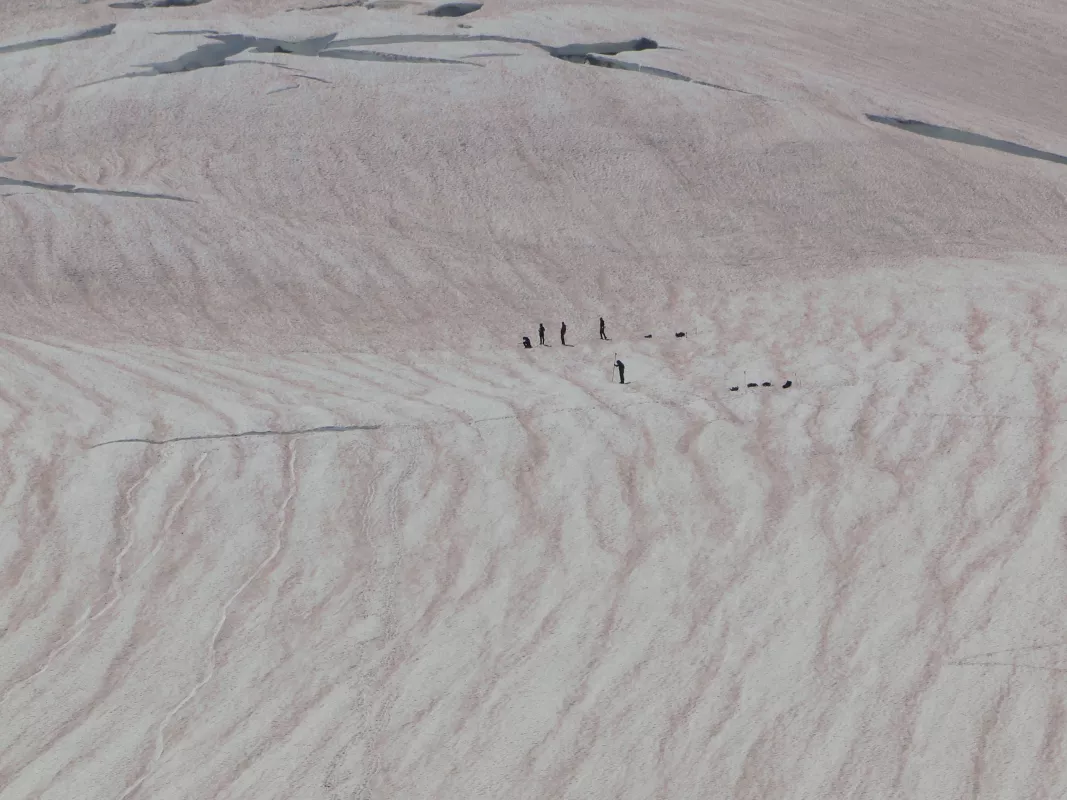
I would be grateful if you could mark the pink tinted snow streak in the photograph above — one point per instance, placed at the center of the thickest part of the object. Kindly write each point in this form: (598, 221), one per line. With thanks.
(287, 512)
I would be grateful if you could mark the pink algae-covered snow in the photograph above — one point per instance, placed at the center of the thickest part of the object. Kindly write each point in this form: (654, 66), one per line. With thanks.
(288, 512)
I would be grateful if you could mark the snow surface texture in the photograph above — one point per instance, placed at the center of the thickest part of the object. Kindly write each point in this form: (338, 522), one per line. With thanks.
(288, 512)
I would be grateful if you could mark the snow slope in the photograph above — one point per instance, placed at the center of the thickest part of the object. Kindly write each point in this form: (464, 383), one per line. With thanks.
(288, 513)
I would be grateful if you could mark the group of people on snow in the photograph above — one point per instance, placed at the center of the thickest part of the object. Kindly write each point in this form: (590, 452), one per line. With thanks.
(563, 340)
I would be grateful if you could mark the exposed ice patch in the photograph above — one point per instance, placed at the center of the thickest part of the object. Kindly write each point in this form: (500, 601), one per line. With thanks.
(612, 63)
(204, 32)
(244, 434)
(370, 5)
(72, 189)
(569, 51)
(158, 4)
(92, 33)
(591, 54)
(453, 10)
(353, 4)
(372, 55)
(225, 46)
(964, 137)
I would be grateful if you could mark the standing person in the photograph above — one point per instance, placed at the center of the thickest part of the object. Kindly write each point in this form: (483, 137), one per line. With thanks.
(541, 333)
(603, 335)
(622, 371)
(563, 334)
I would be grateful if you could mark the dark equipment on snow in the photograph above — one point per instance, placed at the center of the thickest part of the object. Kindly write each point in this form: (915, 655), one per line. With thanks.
(787, 384)
(679, 335)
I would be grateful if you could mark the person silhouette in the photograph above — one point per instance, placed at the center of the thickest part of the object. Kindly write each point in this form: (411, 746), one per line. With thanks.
(603, 335)
(563, 334)
(541, 332)
(526, 342)
(622, 371)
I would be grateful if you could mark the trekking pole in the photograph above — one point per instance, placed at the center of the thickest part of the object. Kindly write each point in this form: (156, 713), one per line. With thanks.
(614, 360)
